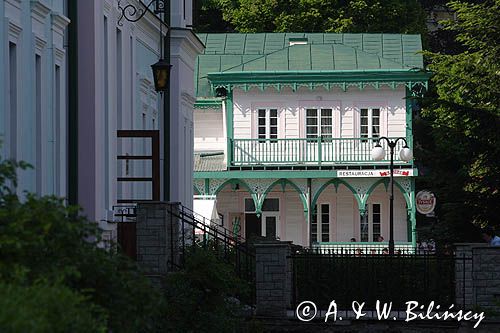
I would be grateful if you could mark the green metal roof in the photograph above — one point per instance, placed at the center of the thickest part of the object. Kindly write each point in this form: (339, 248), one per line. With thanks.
(325, 52)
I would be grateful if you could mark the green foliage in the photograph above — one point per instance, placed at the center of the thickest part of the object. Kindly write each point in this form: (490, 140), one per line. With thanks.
(57, 275)
(43, 239)
(458, 132)
(395, 16)
(201, 298)
(8, 176)
(208, 17)
(41, 308)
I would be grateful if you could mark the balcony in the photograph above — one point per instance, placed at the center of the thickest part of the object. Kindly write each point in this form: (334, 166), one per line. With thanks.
(309, 152)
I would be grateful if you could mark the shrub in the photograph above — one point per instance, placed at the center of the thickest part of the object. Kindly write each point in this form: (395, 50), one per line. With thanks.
(42, 308)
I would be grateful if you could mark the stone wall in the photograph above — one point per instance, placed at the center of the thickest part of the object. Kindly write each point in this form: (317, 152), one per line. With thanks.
(273, 278)
(477, 276)
(157, 234)
(486, 278)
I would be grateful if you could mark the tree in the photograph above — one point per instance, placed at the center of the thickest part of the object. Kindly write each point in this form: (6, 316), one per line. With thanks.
(42, 308)
(42, 239)
(462, 116)
(391, 16)
(55, 266)
(208, 17)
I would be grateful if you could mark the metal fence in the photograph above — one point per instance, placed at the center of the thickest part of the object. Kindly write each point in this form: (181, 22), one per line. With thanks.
(361, 248)
(321, 278)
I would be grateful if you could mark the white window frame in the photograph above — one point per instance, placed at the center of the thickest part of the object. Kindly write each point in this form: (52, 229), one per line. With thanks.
(319, 223)
(263, 222)
(319, 126)
(267, 125)
(334, 105)
(370, 124)
(369, 217)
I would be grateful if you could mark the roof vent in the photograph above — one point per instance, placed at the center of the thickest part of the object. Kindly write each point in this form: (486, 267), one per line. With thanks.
(297, 41)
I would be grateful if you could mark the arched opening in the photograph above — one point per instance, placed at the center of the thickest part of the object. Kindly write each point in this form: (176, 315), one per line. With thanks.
(336, 214)
(234, 200)
(378, 211)
(284, 211)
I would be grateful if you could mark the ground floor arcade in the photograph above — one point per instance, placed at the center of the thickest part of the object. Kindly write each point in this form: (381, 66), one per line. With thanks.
(331, 213)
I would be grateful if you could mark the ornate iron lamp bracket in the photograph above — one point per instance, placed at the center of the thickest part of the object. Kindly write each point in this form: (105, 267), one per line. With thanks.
(131, 13)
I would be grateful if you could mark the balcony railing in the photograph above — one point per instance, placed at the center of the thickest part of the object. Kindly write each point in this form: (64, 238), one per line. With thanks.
(327, 151)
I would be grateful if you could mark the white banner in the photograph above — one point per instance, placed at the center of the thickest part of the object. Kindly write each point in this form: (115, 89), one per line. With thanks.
(375, 173)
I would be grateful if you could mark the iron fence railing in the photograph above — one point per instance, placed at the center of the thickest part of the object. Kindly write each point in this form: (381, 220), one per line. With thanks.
(196, 231)
(323, 277)
(193, 232)
(307, 151)
(361, 248)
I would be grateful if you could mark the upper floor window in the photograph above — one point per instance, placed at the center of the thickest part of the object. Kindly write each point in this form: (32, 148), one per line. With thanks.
(370, 123)
(267, 125)
(319, 122)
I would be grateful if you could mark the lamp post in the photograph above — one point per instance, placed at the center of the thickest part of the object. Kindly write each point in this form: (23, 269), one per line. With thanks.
(378, 154)
(161, 70)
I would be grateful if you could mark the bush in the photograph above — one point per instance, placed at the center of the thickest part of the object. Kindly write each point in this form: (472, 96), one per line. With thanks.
(202, 297)
(47, 309)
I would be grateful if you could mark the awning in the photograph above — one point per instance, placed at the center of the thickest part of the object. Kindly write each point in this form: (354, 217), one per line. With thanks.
(204, 206)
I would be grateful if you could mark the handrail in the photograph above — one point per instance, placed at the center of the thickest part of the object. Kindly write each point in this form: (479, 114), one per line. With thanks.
(317, 150)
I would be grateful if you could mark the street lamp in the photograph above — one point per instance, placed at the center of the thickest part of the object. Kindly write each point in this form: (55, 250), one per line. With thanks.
(161, 69)
(378, 154)
(161, 75)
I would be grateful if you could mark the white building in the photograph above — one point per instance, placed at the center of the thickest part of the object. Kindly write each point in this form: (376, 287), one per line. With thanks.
(284, 127)
(33, 89)
(72, 75)
(116, 92)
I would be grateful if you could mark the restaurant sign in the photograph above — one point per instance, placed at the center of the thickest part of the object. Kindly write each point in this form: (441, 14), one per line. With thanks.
(375, 173)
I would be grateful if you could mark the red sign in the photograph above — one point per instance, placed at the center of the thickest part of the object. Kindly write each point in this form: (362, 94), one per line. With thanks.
(425, 202)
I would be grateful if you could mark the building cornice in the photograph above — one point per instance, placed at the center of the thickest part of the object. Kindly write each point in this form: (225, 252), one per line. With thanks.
(59, 22)
(14, 30)
(39, 10)
(39, 44)
(245, 80)
(189, 38)
(209, 103)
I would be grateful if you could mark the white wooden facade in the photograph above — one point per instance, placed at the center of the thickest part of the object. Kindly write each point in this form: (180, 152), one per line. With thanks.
(284, 132)
(344, 211)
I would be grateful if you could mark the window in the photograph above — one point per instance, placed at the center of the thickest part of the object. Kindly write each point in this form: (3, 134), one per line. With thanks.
(319, 122)
(321, 230)
(12, 113)
(269, 205)
(119, 79)
(370, 123)
(325, 223)
(370, 223)
(57, 104)
(364, 233)
(314, 225)
(267, 125)
(376, 217)
(38, 110)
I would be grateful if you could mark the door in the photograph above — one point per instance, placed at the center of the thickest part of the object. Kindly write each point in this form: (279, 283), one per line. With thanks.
(252, 226)
(270, 227)
(127, 227)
